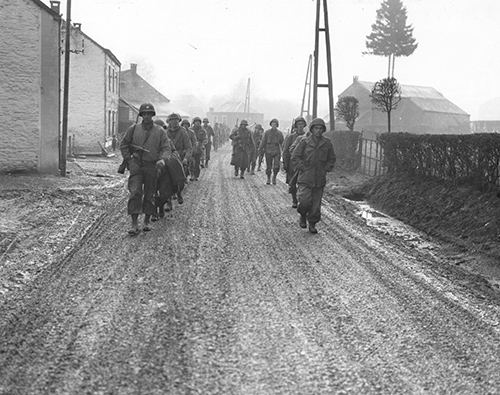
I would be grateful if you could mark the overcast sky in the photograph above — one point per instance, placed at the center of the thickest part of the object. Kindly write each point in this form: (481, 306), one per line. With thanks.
(210, 47)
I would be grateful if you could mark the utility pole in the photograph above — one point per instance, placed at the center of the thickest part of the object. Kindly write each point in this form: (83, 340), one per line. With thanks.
(329, 85)
(247, 98)
(307, 88)
(64, 137)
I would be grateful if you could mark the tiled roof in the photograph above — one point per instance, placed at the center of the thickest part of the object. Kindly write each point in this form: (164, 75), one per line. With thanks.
(136, 89)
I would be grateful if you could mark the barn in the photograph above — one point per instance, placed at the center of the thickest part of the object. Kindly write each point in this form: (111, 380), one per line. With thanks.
(422, 110)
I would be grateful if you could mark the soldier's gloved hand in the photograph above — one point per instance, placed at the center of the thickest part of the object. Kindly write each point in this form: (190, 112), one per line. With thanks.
(160, 163)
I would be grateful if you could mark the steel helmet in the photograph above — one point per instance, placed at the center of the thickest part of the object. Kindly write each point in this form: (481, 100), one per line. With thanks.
(244, 122)
(146, 107)
(196, 119)
(173, 116)
(205, 120)
(274, 120)
(299, 119)
(185, 122)
(259, 127)
(316, 122)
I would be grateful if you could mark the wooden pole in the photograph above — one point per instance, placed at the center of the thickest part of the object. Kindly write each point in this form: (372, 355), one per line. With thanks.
(64, 138)
(329, 67)
(306, 84)
(316, 61)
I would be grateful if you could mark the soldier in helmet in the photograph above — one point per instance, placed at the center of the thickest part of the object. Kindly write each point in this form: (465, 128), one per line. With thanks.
(257, 138)
(210, 139)
(145, 147)
(199, 148)
(188, 167)
(298, 126)
(243, 145)
(271, 144)
(313, 157)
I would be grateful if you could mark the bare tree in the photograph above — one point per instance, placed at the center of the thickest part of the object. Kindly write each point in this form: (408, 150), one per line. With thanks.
(386, 95)
(347, 109)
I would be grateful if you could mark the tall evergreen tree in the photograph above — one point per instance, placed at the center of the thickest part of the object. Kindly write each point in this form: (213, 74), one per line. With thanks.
(391, 36)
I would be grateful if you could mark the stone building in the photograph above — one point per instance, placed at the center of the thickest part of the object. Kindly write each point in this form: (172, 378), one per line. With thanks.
(29, 87)
(94, 92)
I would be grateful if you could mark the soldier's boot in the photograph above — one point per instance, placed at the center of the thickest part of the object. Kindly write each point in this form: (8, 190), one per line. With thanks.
(134, 230)
(268, 182)
(303, 221)
(161, 211)
(236, 172)
(147, 225)
(242, 174)
(180, 199)
(274, 179)
(312, 228)
(294, 201)
(168, 205)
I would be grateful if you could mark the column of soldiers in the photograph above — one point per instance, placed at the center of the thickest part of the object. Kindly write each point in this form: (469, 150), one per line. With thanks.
(159, 158)
(307, 157)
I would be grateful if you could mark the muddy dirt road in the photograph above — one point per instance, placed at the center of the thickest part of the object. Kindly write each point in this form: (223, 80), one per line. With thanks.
(229, 295)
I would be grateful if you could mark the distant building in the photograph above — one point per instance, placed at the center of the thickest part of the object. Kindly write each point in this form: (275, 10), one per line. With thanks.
(94, 91)
(422, 110)
(29, 87)
(488, 117)
(231, 113)
(134, 91)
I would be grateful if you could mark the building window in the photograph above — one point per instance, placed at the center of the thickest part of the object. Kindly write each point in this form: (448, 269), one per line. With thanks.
(109, 77)
(113, 124)
(109, 123)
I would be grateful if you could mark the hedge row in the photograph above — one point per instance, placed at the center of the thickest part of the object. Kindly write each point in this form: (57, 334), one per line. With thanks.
(346, 143)
(472, 158)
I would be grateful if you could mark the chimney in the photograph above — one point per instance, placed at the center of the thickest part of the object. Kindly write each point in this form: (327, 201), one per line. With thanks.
(56, 6)
(133, 67)
(355, 79)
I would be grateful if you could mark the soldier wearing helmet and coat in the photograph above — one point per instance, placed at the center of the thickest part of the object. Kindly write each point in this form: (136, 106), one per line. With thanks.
(243, 146)
(313, 157)
(298, 126)
(144, 147)
(210, 139)
(270, 146)
(199, 148)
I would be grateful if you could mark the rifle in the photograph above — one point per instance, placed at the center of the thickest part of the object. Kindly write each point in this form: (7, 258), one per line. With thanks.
(124, 165)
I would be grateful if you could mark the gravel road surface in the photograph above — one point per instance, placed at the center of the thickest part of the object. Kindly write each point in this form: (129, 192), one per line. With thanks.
(228, 295)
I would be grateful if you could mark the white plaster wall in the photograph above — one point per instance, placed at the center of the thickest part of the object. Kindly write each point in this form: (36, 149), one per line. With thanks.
(86, 118)
(20, 78)
(50, 95)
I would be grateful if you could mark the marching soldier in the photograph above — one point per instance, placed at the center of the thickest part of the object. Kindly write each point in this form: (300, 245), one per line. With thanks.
(144, 147)
(210, 139)
(298, 126)
(199, 148)
(271, 147)
(313, 158)
(257, 138)
(243, 145)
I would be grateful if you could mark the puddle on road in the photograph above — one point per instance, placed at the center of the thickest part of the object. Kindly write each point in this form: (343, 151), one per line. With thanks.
(391, 226)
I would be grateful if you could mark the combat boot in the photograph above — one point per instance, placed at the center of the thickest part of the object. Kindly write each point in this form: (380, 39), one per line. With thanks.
(303, 221)
(268, 182)
(312, 228)
(242, 174)
(274, 179)
(294, 203)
